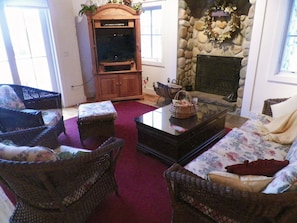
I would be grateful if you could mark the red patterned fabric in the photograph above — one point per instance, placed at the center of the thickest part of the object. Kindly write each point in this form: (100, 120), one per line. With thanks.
(259, 167)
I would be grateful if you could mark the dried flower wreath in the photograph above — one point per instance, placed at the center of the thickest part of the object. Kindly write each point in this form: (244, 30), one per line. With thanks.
(230, 30)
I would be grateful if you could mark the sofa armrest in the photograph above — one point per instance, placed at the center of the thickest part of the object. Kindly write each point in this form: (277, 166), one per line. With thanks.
(192, 195)
(13, 119)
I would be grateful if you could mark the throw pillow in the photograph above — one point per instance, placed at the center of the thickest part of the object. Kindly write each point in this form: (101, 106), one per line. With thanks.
(26, 153)
(292, 154)
(259, 167)
(285, 107)
(9, 99)
(67, 152)
(248, 183)
(283, 180)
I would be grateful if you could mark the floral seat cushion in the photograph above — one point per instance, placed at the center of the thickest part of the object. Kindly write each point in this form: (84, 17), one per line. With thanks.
(103, 110)
(236, 147)
(51, 116)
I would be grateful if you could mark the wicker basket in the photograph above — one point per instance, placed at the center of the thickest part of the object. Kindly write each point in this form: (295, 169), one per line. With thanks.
(182, 106)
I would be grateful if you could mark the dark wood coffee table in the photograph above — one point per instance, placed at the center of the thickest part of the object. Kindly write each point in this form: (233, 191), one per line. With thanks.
(179, 140)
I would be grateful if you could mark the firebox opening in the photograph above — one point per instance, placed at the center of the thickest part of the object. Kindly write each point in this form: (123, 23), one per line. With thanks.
(218, 75)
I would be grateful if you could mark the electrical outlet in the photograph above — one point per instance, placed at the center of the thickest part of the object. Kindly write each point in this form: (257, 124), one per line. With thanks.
(168, 80)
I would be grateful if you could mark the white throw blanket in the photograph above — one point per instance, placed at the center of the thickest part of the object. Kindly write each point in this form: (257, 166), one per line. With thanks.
(282, 129)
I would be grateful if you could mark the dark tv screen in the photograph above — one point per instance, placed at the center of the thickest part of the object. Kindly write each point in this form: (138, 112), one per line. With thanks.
(115, 44)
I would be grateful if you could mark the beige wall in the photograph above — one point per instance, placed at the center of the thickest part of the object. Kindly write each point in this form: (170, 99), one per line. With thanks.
(69, 66)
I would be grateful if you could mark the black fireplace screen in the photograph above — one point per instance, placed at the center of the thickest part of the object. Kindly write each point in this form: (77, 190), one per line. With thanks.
(218, 75)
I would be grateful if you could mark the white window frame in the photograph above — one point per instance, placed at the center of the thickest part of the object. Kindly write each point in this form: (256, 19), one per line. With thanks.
(48, 39)
(278, 37)
(146, 61)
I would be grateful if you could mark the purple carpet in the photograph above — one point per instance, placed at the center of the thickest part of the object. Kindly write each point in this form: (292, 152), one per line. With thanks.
(143, 193)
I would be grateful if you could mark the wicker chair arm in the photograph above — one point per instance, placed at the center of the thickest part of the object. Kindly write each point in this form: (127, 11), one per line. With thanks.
(42, 135)
(188, 189)
(53, 181)
(13, 119)
(112, 146)
(52, 101)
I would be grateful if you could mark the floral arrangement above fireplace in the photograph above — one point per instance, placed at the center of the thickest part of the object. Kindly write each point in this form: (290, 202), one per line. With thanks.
(227, 18)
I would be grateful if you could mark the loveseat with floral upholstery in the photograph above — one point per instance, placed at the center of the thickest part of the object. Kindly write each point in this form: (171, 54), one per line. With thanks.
(250, 175)
(25, 107)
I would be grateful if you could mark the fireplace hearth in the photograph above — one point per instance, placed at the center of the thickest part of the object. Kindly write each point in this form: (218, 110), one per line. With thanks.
(218, 75)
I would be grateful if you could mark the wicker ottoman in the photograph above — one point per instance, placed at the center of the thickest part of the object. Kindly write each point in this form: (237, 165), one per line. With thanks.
(96, 119)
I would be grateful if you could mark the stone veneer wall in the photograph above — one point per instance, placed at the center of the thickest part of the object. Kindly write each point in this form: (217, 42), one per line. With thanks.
(193, 41)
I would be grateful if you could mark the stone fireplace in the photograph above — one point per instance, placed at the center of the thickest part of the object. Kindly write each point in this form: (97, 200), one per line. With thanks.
(193, 41)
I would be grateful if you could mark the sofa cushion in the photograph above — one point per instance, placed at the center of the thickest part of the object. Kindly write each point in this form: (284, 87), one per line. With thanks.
(9, 99)
(26, 153)
(250, 183)
(285, 107)
(283, 180)
(259, 167)
(236, 147)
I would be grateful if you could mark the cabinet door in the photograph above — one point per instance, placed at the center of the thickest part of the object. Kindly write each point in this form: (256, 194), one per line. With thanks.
(130, 84)
(107, 86)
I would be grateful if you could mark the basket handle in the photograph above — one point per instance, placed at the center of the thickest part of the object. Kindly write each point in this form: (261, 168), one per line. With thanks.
(185, 95)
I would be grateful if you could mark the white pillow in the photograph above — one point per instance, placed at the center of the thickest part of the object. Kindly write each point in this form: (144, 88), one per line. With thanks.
(285, 107)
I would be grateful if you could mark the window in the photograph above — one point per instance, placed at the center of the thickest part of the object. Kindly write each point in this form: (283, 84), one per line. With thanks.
(26, 55)
(151, 37)
(290, 49)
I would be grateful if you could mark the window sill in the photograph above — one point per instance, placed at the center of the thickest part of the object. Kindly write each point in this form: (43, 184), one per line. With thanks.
(152, 63)
(284, 77)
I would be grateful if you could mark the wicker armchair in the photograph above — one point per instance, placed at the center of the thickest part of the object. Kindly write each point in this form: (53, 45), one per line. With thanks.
(66, 190)
(192, 197)
(41, 108)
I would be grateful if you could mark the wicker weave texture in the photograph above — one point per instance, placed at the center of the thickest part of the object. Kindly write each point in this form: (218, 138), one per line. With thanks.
(182, 111)
(64, 190)
(188, 192)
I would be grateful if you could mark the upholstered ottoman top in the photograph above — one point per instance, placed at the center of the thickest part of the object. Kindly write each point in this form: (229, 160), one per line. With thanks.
(103, 110)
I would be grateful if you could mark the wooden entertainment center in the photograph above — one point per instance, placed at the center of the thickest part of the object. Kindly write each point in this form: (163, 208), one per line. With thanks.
(114, 32)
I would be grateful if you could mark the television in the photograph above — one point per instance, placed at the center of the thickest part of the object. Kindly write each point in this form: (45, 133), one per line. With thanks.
(115, 44)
